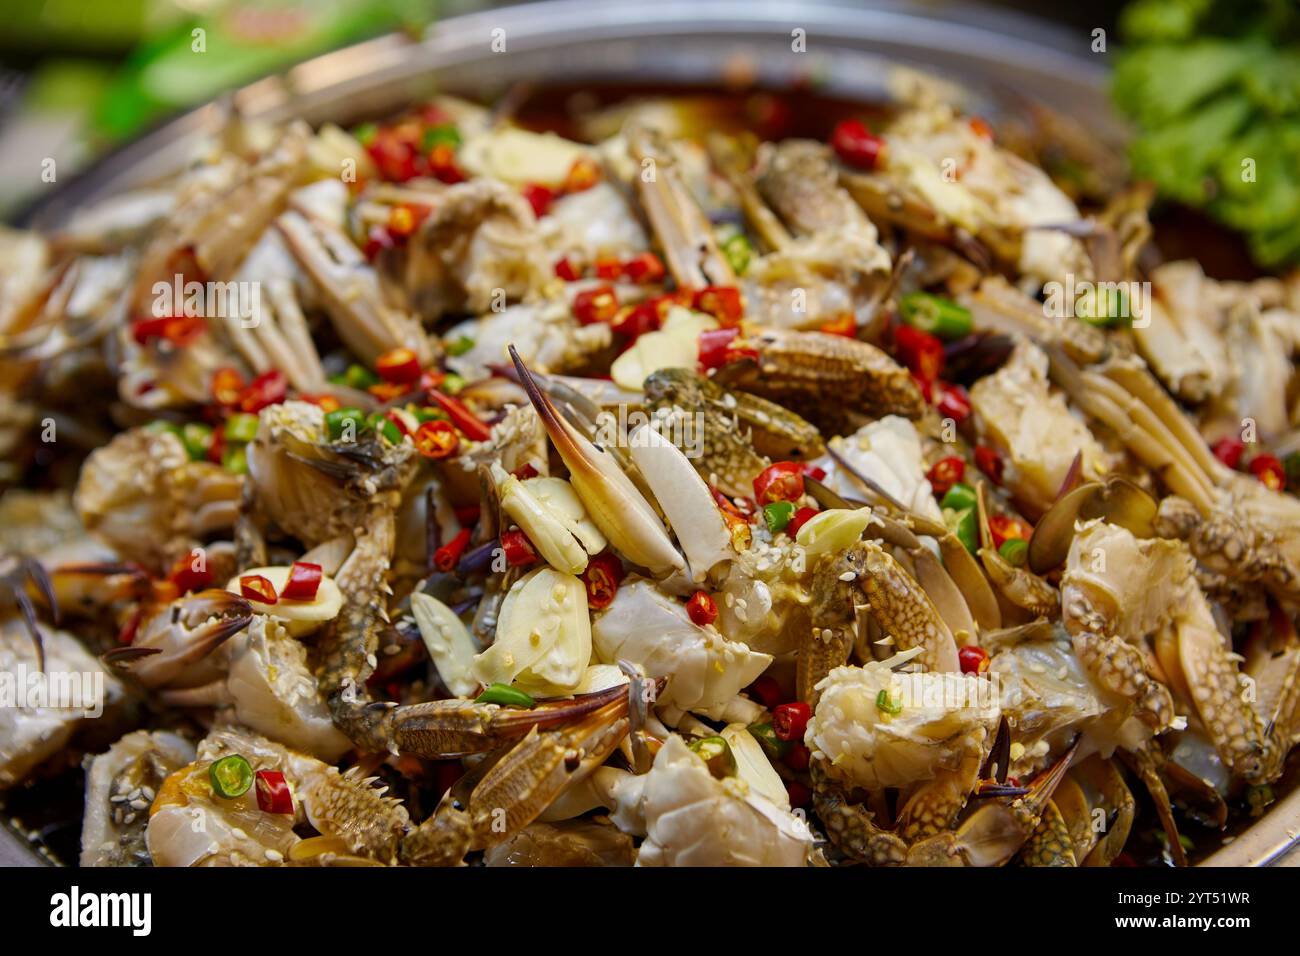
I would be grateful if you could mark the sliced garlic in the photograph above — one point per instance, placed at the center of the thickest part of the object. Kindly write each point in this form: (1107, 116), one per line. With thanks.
(450, 646)
(551, 514)
(752, 765)
(543, 643)
(676, 345)
(300, 617)
(517, 156)
(685, 499)
(833, 530)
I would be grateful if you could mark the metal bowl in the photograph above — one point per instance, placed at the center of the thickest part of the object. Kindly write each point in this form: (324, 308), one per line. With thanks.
(995, 60)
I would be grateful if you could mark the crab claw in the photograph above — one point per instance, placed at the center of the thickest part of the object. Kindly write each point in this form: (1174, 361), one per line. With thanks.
(613, 501)
(180, 635)
(15, 582)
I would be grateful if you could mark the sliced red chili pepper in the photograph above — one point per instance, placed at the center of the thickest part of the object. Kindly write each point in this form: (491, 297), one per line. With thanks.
(595, 305)
(920, 351)
(567, 271)
(636, 320)
(519, 551)
(405, 218)
(447, 557)
(388, 391)
(846, 324)
(186, 579)
(1229, 451)
(254, 587)
(1270, 472)
(800, 518)
(179, 330)
(766, 691)
(789, 721)
(1004, 528)
(815, 472)
(469, 424)
(377, 240)
(443, 165)
(398, 365)
(973, 659)
(701, 609)
(856, 145)
(980, 127)
(646, 267)
(273, 794)
(723, 302)
(800, 795)
(715, 347)
(797, 757)
(436, 439)
(954, 402)
(130, 627)
(782, 481)
(608, 267)
(539, 197)
(583, 174)
(227, 383)
(945, 473)
(467, 515)
(602, 577)
(990, 462)
(303, 583)
(326, 403)
(525, 471)
(269, 388)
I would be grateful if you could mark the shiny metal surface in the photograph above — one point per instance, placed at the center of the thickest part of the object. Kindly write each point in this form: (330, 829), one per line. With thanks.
(995, 59)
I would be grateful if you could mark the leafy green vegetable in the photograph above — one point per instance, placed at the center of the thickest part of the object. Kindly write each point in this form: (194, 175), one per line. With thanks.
(1214, 86)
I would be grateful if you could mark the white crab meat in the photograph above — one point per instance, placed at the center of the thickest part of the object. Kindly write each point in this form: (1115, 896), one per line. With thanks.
(888, 451)
(544, 640)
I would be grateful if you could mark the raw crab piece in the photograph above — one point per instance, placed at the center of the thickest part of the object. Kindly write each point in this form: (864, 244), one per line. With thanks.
(1094, 788)
(480, 243)
(737, 433)
(1033, 429)
(652, 631)
(143, 496)
(545, 334)
(274, 692)
(934, 746)
(888, 452)
(350, 291)
(594, 223)
(998, 306)
(120, 786)
(1181, 342)
(34, 729)
(83, 301)
(801, 370)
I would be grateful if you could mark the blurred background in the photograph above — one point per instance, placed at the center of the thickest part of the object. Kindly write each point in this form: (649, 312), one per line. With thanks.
(1204, 82)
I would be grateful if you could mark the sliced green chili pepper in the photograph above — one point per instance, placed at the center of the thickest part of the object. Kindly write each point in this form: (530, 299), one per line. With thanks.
(359, 377)
(386, 427)
(778, 515)
(365, 133)
(160, 425)
(235, 459)
(506, 696)
(231, 776)
(337, 422)
(197, 439)
(460, 346)
(887, 705)
(430, 414)
(772, 745)
(241, 427)
(1015, 551)
(452, 384)
(445, 134)
(739, 251)
(1105, 308)
(716, 754)
(935, 314)
(959, 497)
(963, 525)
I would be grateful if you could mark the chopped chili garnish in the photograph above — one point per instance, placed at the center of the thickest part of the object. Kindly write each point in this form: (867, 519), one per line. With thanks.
(797, 757)
(539, 197)
(583, 174)
(436, 439)
(608, 267)
(567, 271)
(800, 795)
(273, 794)
(519, 551)
(723, 302)
(503, 695)
(789, 721)
(1268, 469)
(1229, 451)
(303, 583)
(595, 305)
(766, 691)
(973, 659)
(399, 365)
(179, 330)
(856, 145)
(227, 383)
(186, 578)
(525, 471)
(634, 321)
(782, 481)
(701, 609)
(447, 557)
(945, 473)
(602, 577)
(469, 424)
(647, 267)
(716, 348)
(954, 402)
(231, 776)
(269, 388)
(442, 163)
(990, 462)
(920, 351)
(846, 324)
(1003, 528)
(467, 515)
(254, 587)
(801, 517)
(981, 128)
